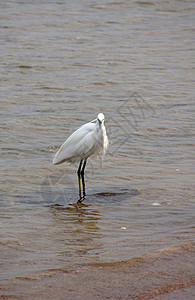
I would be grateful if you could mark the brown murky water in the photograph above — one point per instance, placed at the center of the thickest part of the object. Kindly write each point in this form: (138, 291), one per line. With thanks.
(63, 62)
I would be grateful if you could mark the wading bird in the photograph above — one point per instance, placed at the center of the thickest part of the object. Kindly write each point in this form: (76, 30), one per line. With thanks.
(89, 139)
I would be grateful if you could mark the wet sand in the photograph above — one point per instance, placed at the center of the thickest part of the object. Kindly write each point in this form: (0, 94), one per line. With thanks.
(163, 274)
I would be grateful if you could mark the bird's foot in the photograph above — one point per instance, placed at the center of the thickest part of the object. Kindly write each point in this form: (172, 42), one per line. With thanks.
(81, 199)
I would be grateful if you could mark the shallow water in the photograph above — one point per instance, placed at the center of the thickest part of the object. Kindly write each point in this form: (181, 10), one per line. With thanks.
(61, 64)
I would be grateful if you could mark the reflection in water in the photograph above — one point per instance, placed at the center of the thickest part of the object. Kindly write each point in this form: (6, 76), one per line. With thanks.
(78, 226)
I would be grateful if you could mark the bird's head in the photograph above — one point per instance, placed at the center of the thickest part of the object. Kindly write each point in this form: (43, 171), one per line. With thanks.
(100, 118)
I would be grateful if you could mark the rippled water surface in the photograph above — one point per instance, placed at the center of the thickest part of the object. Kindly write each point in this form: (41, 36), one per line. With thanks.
(63, 62)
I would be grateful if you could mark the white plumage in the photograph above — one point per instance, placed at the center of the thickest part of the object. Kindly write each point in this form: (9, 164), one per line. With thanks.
(88, 140)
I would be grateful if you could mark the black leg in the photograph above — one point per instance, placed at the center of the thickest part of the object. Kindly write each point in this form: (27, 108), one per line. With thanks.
(83, 178)
(79, 179)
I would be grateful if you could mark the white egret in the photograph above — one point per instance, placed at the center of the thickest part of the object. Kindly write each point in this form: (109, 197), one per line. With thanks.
(88, 140)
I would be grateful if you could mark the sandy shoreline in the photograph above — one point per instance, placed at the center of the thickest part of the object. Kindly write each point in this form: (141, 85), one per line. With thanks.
(156, 275)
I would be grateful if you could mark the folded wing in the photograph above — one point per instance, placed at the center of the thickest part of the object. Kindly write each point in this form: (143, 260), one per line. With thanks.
(78, 146)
